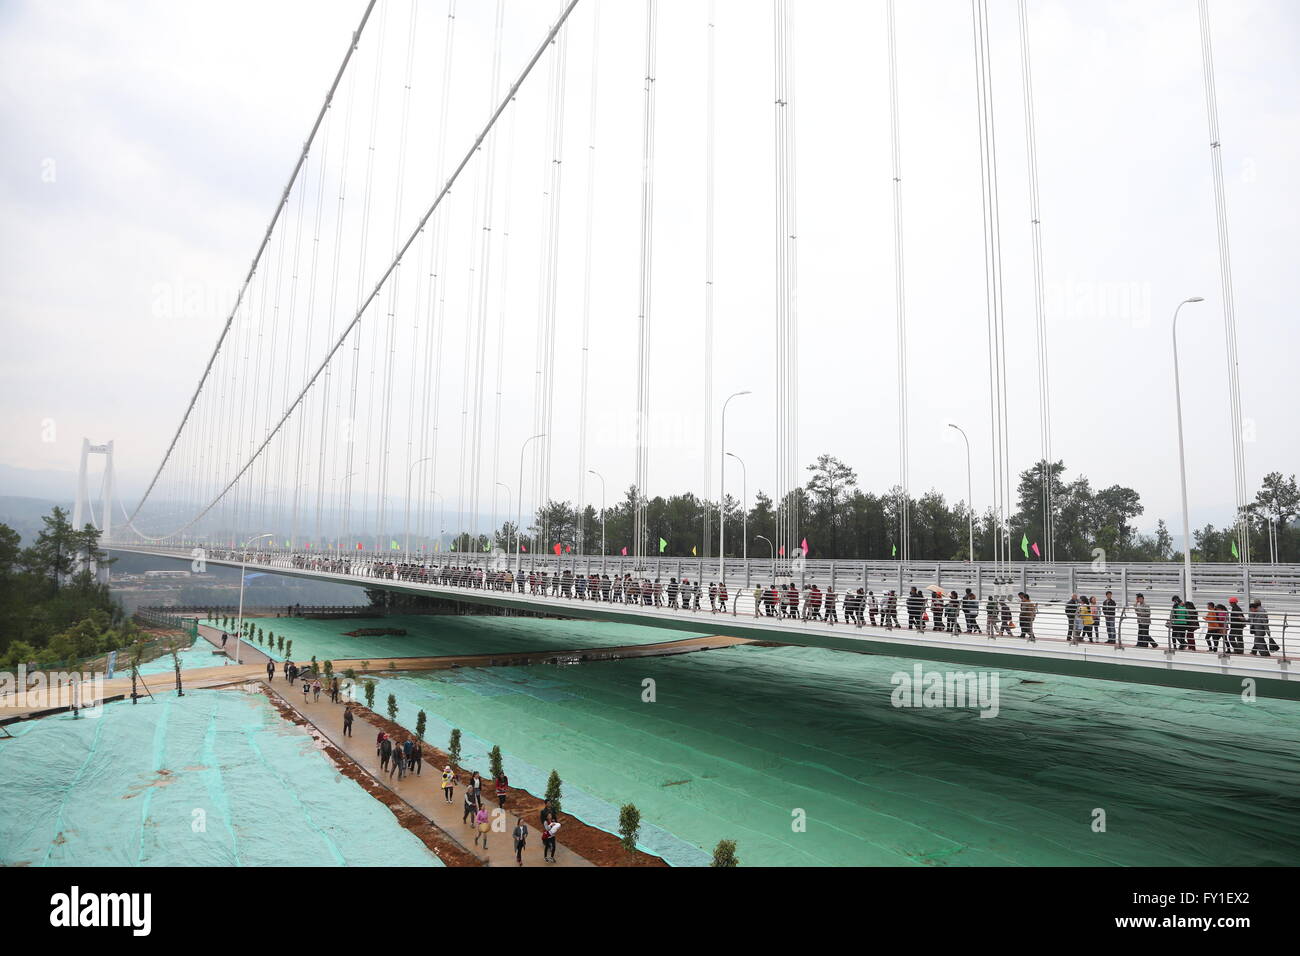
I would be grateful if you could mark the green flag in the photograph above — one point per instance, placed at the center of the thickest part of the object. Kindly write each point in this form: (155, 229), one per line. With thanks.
(894, 553)
(662, 545)
(1024, 544)
(395, 546)
(487, 547)
(1235, 554)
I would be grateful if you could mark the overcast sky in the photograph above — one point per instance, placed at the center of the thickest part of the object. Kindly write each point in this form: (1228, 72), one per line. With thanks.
(146, 144)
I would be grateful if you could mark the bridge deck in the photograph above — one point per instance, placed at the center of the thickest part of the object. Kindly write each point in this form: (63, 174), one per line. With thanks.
(1049, 653)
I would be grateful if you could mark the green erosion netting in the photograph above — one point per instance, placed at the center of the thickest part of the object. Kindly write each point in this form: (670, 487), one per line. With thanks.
(740, 738)
(123, 789)
(432, 635)
(200, 653)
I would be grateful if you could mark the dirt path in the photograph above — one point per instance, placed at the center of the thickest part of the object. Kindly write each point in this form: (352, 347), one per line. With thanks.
(422, 792)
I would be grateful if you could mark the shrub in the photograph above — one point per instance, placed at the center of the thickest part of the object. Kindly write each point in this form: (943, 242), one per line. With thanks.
(553, 790)
(370, 694)
(453, 747)
(629, 825)
(392, 707)
(724, 854)
(421, 722)
(494, 762)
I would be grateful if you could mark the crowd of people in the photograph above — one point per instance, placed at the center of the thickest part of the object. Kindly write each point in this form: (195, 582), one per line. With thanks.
(1088, 619)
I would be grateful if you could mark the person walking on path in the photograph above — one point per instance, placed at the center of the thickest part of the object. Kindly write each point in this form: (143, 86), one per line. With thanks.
(347, 721)
(315, 691)
(270, 672)
(334, 690)
(448, 784)
(482, 826)
(306, 690)
(1142, 611)
(502, 786)
(224, 637)
(385, 752)
(549, 829)
(476, 786)
(521, 839)
(417, 758)
(469, 807)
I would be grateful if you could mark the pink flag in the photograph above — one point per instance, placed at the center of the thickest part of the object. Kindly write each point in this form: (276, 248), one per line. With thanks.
(804, 545)
(1034, 546)
(625, 551)
(781, 552)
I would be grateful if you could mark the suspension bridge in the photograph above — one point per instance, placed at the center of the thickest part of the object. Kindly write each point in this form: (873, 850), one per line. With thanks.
(330, 435)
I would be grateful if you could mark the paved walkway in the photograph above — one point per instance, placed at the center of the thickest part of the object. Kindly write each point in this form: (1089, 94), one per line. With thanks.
(422, 792)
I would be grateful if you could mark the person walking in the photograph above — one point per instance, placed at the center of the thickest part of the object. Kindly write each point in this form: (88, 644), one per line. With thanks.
(1142, 611)
(1236, 624)
(468, 807)
(385, 752)
(448, 784)
(417, 757)
(482, 826)
(502, 787)
(270, 672)
(1028, 611)
(521, 839)
(347, 721)
(476, 786)
(315, 691)
(549, 829)
(1108, 612)
(1259, 630)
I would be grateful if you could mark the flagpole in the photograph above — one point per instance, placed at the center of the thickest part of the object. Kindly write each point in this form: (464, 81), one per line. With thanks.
(970, 505)
(722, 492)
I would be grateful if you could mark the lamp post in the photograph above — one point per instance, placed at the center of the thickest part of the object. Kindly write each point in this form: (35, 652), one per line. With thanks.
(406, 541)
(772, 552)
(1182, 461)
(722, 492)
(243, 567)
(970, 504)
(519, 514)
(591, 471)
(744, 510)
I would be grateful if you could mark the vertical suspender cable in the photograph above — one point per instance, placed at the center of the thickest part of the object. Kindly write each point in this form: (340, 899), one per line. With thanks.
(900, 299)
(640, 532)
(586, 278)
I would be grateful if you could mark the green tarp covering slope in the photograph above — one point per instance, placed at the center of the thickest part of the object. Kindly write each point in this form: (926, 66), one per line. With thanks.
(742, 743)
(215, 778)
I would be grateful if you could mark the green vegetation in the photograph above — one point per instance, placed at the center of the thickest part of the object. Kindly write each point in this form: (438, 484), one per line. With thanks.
(553, 791)
(629, 826)
(494, 762)
(453, 747)
(392, 707)
(421, 724)
(724, 854)
(52, 610)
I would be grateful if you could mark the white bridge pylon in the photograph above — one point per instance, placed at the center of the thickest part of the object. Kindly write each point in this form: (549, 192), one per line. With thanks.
(83, 505)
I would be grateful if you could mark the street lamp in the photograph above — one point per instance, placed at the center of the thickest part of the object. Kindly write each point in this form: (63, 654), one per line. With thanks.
(243, 567)
(519, 514)
(970, 504)
(406, 540)
(744, 510)
(722, 492)
(772, 552)
(1182, 461)
(502, 484)
(591, 471)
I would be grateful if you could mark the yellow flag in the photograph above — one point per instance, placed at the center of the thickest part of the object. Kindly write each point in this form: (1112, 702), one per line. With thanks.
(692, 549)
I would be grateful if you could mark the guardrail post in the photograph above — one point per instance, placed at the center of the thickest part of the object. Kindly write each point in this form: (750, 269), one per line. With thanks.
(1123, 586)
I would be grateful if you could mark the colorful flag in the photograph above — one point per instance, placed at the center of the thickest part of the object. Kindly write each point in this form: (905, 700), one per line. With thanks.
(395, 546)
(804, 545)
(487, 547)
(524, 547)
(556, 549)
(693, 551)
(1034, 546)
(358, 545)
(781, 552)
(894, 552)
(1235, 554)
(567, 549)
(662, 545)
(625, 551)
(1024, 544)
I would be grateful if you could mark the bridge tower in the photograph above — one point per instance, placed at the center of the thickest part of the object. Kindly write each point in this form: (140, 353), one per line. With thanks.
(82, 505)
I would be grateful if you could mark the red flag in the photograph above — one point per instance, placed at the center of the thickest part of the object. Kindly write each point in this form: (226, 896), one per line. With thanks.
(804, 545)
(556, 549)
(525, 547)
(781, 552)
(625, 551)
(358, 545)
(1034, 547)
(566, 549)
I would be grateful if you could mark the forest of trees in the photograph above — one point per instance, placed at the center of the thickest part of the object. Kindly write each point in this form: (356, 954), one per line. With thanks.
(51, 608)
(841, 520)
